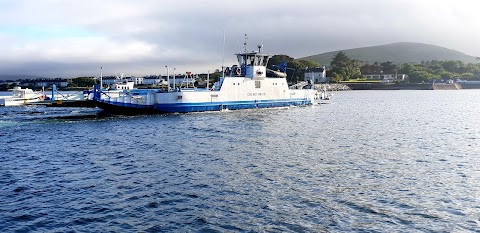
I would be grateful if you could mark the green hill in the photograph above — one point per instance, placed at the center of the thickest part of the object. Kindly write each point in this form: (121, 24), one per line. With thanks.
(403, 52)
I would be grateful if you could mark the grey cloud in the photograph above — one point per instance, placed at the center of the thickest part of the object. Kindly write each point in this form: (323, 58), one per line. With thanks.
(190, 33)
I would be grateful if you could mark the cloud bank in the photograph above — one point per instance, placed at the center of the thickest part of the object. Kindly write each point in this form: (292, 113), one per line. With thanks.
(70, 38)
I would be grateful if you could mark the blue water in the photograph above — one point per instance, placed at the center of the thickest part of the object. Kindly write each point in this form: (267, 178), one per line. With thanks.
(370, 161)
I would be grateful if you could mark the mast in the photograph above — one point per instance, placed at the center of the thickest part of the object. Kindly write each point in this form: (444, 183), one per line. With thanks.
(313, 81)
(223, 55)
(208, 78)
(245, 44)
(168, 80)
(174, 78)
(101, 77)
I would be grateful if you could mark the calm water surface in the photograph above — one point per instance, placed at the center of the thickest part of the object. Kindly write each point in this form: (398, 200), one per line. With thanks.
(372, 161)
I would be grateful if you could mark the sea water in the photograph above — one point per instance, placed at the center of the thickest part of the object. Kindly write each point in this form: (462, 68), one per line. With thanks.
(371, 161)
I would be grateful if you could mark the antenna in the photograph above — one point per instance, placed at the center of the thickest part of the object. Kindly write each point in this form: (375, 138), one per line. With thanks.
(101, 77)
(259, 48)
(223, 55)
(245, 44)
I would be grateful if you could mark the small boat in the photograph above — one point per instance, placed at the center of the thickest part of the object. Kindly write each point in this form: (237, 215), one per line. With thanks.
(122, 85)
(21, 97)
(242, 86)
(324, 95)
(115, 89)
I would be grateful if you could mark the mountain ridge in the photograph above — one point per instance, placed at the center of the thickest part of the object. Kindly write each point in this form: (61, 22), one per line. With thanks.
(400, 52)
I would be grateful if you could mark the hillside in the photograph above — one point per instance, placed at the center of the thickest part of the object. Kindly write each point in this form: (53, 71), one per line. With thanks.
(403, 52)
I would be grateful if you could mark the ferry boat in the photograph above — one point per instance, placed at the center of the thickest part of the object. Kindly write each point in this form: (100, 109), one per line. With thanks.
(21, 97)
(242, 86)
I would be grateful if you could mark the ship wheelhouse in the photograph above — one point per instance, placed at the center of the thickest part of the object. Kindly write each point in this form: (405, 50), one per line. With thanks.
(254, 64)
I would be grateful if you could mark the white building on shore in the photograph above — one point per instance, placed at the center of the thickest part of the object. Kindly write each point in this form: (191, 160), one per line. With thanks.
(389, 77)
(136, 80)
(318, 74)
(154, 80)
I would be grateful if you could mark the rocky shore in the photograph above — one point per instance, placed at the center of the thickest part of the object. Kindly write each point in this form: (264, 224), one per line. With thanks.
(390, 86)
(332, 87)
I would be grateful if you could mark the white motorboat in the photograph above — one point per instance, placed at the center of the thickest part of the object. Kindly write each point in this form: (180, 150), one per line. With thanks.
(21, 97)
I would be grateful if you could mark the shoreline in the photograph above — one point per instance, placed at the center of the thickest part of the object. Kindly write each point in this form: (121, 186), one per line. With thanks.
(390, 86)
(345, 87)
(411, 86)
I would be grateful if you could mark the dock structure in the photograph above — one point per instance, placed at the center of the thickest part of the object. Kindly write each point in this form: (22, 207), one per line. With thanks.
(446, 86)
(66, 103)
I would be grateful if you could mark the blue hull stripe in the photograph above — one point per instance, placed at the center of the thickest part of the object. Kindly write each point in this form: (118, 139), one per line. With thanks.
(209, 106)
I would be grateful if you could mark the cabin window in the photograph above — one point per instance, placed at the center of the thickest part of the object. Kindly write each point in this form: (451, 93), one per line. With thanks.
(179, 97)
(257, 84)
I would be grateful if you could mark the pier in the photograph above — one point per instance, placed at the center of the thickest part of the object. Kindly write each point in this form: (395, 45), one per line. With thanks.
(66, 103)
(446, 86)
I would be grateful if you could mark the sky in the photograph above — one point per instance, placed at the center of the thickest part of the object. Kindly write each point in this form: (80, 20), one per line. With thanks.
(72, 38)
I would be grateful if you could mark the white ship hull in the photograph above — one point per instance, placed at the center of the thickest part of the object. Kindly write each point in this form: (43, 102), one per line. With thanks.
(236, 93)
(16, 101)
(21, 97)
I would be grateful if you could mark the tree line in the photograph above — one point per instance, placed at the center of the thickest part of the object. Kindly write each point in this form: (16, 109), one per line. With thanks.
(295, 68)
(342, 68)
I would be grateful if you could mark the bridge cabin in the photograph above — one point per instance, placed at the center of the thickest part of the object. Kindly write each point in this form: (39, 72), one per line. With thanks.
(254, 65)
